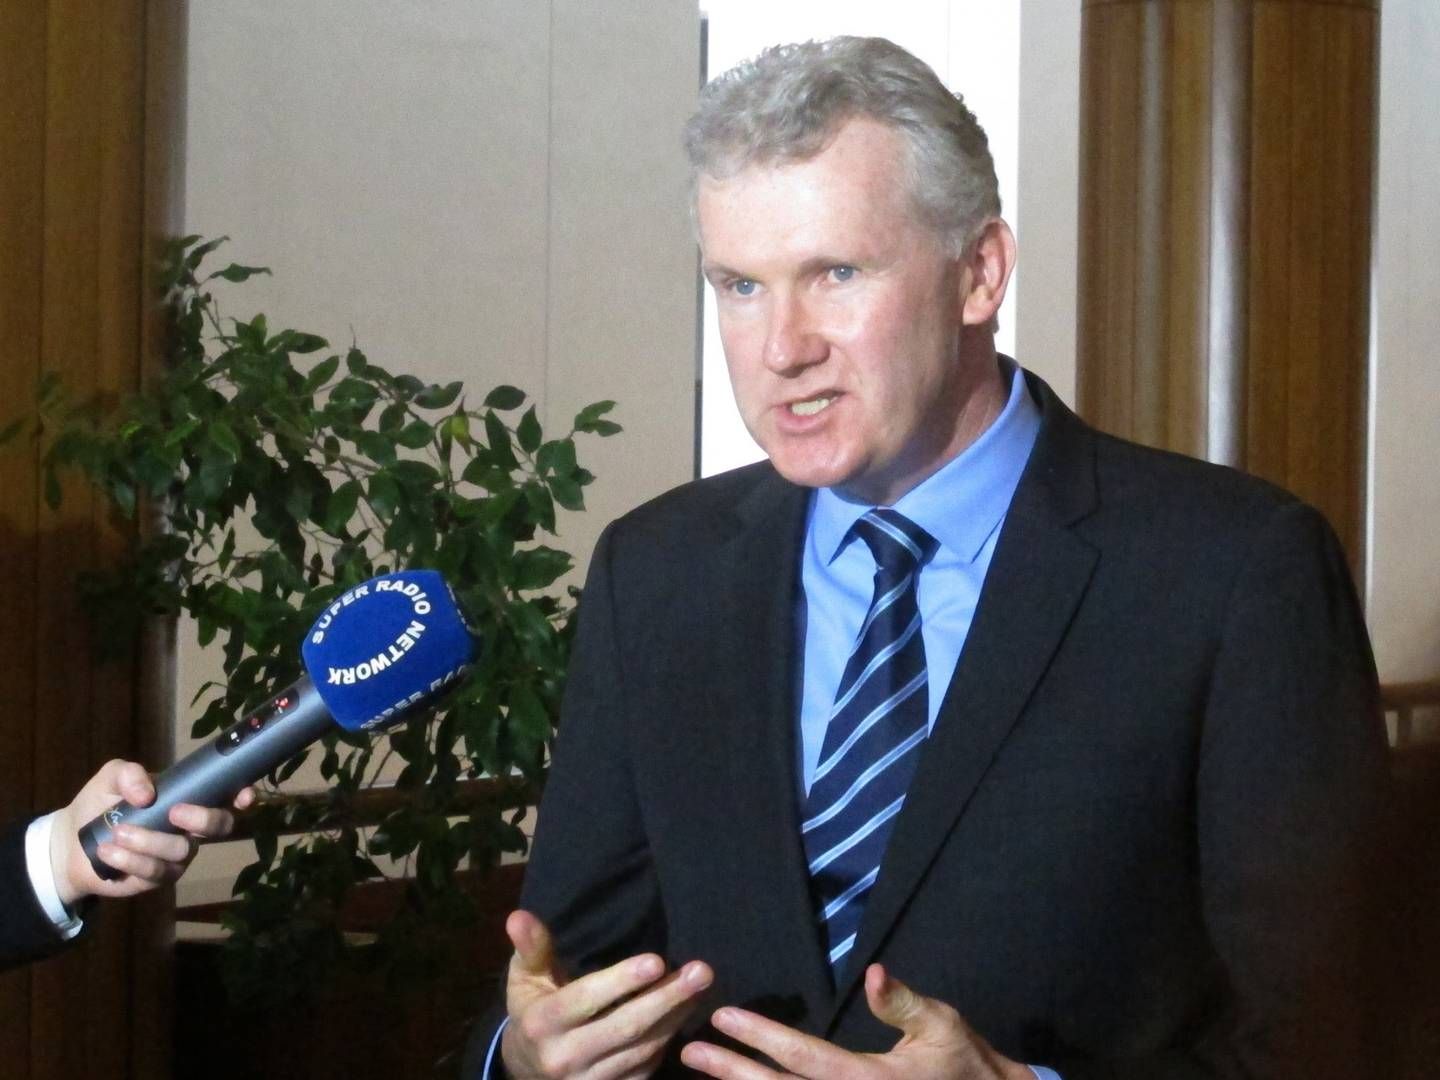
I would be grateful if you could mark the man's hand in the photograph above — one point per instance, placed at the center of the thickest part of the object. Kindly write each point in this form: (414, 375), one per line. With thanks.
(610, 1024)
(147, 858)
(936, 1044)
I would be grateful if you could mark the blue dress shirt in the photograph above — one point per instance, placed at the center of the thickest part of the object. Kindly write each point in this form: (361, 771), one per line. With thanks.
(962, 505)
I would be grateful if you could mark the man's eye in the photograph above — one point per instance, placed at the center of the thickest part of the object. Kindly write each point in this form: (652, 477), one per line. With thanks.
(842, 273)
(742, 287)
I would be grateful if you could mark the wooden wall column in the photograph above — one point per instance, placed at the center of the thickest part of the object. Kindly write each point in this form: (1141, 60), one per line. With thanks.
(1227, 156)
(91, 111)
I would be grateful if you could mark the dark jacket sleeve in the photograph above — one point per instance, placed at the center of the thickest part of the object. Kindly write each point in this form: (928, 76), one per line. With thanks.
(1291, 799)
(590, 878)
(26, 932)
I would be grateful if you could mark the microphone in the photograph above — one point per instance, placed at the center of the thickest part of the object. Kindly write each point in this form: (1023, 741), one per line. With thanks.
(375, 655)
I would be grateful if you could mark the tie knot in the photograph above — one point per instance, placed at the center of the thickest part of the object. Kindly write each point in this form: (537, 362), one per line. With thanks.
(896, 542)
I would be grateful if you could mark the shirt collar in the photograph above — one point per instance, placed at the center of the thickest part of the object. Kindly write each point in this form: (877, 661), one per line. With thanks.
(963, 502)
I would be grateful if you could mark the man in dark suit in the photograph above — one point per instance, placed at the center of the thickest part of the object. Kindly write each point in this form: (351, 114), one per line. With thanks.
(1138, 756)
(45, 876)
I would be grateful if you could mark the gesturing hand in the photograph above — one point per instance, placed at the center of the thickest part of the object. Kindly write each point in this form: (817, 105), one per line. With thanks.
(610, 1024)
(935, 1044)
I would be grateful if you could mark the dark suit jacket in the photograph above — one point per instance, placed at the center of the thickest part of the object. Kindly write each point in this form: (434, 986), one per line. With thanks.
(1132, 845)
(26, 932)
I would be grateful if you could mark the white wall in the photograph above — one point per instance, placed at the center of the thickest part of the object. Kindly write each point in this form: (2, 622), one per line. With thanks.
(1049, 190)
(487, 190)
(1404, 549)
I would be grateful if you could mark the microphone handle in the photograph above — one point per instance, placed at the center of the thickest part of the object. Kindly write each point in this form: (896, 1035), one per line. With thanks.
(213, 775)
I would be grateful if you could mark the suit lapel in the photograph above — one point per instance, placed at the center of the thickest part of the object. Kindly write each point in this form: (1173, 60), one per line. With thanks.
(1035, 582)
(759, 581)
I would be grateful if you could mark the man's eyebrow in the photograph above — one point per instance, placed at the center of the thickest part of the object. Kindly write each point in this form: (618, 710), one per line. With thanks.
(714, 271)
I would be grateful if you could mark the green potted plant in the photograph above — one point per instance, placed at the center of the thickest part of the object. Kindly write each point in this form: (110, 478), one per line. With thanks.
(279, 473)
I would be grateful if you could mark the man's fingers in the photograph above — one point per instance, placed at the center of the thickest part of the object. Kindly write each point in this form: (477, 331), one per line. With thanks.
(724, 1064)
(142, 868)
(534, 950)
(803, 1055)
(659, 1011)
(632, 1038)
(611, 1023)
(202, 821)
(584, 999)
(166, 847)
(895, 1004)
(133, 783)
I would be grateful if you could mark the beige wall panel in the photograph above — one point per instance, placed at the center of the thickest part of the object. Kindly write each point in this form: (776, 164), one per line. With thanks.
(1048, 198)
(1404, 600)
(388, 162)
(622, 258)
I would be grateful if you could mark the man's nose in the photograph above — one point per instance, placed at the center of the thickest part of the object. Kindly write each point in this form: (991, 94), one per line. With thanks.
(794, 340)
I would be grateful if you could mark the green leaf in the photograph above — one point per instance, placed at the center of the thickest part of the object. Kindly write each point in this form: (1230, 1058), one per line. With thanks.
(384, 494)
(540, 567)
(321, 374)
(197, 256)
(542, 506)
(222, 436)
(297, 341)
(605, 428)
(392, 419)
(457, 427)
(557, 456)
(415, 435)
(181, 432)
(341, 507)
(236, 272)
(567, 492)
(252, 335)
(504, 398)
(354, 390)
(528, 431)
(376, 447)
(416, 474)
(527, 715)
(438, 397)
(587, 417)
(499, 439)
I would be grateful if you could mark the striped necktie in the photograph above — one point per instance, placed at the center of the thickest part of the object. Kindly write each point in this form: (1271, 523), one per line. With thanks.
(877, 725)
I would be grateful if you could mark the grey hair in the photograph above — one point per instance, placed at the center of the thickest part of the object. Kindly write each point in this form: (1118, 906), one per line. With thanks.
(790, 101)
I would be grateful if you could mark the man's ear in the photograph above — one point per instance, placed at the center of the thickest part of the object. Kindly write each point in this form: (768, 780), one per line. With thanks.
(988, 266)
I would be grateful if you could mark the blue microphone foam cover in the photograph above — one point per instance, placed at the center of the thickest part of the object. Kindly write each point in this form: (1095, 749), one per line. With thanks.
(387, 646)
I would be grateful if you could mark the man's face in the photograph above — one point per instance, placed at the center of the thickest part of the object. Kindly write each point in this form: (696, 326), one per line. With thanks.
(841, 316)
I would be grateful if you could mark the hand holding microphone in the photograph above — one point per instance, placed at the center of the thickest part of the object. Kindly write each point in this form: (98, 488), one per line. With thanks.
(147, 859)
(380, 651)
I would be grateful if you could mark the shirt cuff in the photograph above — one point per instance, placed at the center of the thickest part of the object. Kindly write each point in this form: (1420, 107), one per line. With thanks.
(1042, 1073)
(42, 877)
(489, 1072)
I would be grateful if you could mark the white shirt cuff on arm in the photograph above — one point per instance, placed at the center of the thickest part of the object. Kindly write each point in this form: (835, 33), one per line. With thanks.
(42, 877)
(1042, 1073)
